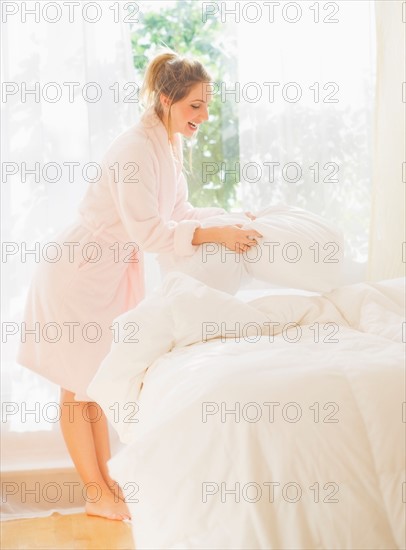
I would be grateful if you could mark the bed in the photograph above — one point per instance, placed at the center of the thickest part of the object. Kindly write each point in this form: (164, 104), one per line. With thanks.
(274, 421)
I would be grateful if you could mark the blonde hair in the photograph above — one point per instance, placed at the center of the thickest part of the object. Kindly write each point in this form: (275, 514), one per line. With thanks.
(172, 75)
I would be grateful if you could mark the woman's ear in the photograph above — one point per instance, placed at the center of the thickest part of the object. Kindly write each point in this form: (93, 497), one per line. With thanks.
(165, 101)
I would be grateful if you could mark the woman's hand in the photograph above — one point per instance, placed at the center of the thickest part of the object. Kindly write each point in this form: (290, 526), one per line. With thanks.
(237, 239)
(250, 215)
(231, 236)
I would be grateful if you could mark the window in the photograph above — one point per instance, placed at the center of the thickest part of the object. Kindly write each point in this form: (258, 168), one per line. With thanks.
(292, 117)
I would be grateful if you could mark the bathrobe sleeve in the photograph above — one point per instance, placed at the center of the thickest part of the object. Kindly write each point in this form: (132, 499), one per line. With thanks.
(134, 184)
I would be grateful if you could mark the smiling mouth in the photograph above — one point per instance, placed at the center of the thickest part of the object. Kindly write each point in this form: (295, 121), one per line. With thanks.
(192, 125)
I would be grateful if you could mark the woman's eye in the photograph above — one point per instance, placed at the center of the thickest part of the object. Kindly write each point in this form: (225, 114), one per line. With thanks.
(195, 106)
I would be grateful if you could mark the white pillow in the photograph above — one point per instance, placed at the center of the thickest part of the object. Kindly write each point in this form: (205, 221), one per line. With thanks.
(212, 263)
(298, 249)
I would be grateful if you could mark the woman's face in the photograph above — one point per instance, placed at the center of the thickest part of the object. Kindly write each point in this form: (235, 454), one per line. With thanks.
(188, 113)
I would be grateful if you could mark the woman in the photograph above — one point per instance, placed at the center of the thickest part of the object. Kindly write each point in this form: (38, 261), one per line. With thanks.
(139, 204)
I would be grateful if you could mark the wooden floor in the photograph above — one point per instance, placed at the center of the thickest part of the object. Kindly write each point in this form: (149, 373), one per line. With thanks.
(66, 531)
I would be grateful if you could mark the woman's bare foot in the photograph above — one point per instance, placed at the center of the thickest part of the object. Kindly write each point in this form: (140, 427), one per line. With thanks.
(107, 505)
(116, 490)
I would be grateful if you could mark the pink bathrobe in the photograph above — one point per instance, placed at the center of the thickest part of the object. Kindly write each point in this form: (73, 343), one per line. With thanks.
(139, 204)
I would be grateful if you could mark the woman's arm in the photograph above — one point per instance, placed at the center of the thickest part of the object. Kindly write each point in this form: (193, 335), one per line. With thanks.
(134, 185)
(136, 197)
(231, 236)
(206, 235)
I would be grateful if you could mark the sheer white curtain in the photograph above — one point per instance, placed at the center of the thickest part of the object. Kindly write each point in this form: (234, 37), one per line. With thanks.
(307, 82)
(387, 258)
(87, 58)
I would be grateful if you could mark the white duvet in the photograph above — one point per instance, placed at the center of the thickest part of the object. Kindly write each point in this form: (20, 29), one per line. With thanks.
(270, 424)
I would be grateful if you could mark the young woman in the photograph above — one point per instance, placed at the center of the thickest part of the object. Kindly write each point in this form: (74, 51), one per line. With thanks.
(138, 204)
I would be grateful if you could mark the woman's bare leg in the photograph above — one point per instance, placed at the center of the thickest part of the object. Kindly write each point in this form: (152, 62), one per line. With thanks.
(76, 425)
(103, 452)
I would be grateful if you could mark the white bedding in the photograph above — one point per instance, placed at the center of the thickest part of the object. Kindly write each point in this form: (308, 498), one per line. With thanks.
(315, 450)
